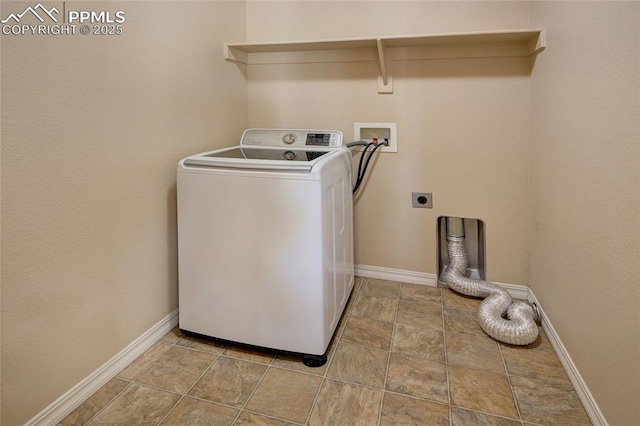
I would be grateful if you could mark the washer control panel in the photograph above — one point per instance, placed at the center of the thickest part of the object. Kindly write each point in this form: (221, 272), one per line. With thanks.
(289, 138)
(297, 138)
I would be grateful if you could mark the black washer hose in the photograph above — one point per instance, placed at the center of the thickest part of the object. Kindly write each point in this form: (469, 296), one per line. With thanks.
(362, 155)
(366, 164)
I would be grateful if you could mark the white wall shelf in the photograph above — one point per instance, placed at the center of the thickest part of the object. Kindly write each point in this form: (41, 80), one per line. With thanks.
(384, 50)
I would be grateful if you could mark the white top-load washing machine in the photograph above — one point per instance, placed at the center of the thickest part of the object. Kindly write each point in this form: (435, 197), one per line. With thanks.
(265, 240)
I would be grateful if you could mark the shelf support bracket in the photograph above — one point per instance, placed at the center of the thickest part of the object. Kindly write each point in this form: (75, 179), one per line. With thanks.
(385, 77)
(538, 44)
(235, 55)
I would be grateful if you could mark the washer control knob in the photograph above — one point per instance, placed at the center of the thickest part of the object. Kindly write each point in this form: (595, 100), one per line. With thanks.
(289, 138)
(290, 155)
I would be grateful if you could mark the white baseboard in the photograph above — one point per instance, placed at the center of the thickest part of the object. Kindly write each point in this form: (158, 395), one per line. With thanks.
(517, 292)
(64, 405)
(520, 292)
(588, 402)
(424, 278)
(400, 275)
(68, 402)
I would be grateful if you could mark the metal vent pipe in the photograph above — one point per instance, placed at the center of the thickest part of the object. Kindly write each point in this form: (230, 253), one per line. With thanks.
(499, 316)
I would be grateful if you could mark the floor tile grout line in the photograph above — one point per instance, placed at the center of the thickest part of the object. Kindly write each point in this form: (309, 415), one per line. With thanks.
(471, 367)
(449, 363)
(513, 391)
(150, 364)
(501, 416)
(241, 409)
(128, 386)
(446, 356)
(190, 387)
(354, 294)
(417, 398)
(324, 376)
(389, 352)
(293, 370)
(269, 416)
(156, 387)
(238, 414)
(199, 398)
(506, 372)
(144, 370)
(171, 410)
(234, 407)
(133, 380)
(239, 358)
(421, 302)
(550, 382)
(108, 402)
(255, 388)
(315, 398)
(178, 345)
(347, 382)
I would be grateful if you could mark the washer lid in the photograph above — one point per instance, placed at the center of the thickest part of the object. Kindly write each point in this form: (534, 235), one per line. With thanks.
(242, 157)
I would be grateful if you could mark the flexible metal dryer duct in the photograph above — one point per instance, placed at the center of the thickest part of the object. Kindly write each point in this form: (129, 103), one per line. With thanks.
(519, 327)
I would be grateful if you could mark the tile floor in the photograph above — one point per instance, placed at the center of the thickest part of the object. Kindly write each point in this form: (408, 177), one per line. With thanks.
(403, 354)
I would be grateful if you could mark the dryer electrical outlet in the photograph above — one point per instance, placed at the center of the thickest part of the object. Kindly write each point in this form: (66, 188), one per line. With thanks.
(379, 131)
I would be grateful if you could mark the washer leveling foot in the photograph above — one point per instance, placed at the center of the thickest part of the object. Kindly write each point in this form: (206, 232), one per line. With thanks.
(314, 360)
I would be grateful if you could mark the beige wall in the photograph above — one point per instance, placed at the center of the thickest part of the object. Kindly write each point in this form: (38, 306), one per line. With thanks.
(550, 162)
(309, 19)
(585, 193)
(462, 124)
(92, 129)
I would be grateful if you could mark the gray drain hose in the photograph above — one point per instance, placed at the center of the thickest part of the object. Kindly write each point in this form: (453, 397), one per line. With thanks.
(518, 328)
